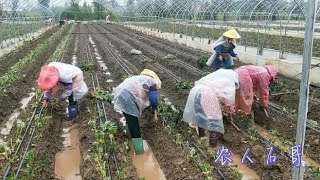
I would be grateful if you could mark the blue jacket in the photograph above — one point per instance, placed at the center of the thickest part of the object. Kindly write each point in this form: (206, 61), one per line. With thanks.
(221, 49)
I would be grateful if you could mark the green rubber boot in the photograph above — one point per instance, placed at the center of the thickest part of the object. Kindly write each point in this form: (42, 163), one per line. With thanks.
(127, 131)
(138, 145)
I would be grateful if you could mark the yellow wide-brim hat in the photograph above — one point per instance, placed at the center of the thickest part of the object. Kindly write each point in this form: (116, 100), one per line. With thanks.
(232, 33)
(148, 72)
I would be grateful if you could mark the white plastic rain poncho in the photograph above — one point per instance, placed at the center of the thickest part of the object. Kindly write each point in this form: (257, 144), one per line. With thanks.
(71, 74)
(203, 108)
(131, 96)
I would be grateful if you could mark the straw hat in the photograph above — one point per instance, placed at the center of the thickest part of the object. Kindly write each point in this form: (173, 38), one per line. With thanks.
(148, 72)
(232, 33)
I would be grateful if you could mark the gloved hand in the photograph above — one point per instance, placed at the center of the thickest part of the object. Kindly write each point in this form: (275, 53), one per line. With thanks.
(45, 103)
(220, 58)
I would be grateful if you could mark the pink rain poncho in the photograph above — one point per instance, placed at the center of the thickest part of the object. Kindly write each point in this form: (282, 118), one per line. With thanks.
(203, 108)
(70, 74)
(254, 79)
(131, 96)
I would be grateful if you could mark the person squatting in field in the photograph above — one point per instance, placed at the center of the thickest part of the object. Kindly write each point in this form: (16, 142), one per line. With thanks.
(134, 95)
(254, 80)
(205, 102)
(71, 77)
(223, 50)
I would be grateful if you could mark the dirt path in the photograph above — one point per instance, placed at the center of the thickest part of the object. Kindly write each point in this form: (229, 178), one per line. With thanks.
(13, 57)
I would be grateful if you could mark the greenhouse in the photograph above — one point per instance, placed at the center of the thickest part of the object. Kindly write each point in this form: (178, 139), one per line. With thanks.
(160, 89)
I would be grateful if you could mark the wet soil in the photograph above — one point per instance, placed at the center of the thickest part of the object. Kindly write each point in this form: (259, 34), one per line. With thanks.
(162, 152)
(88, 111)
(180, 98)
(289, 101)
(9, 100)
(13, 57)
(170, 156)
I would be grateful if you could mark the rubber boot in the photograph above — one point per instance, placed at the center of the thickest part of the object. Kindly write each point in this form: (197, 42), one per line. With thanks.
(202, 132)
(138, 145)
(214, 138)
(73, 112)
(127, 131)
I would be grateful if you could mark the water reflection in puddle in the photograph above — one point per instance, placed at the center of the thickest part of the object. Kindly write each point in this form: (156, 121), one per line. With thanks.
(12, 118)
(146, 164)
(67, 162)
(109, 81)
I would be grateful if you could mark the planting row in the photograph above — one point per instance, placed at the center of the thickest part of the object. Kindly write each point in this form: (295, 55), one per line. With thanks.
(256, 39)
(17, 81)
(176, 97)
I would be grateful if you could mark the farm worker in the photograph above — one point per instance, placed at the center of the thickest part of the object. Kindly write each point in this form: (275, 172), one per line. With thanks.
(134, 95)
(205, 101)
(254, 79)
(72, 79)
(223, 49)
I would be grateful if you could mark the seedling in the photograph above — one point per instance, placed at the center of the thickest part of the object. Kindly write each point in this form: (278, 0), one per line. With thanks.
(109, 127)
(102, 95)
(206, 169)
(4, 149)
(236, 174)
(20, 126)
(178, 139)
(42, 121)
(287, 142)
(169, 56)
(30, 158)
(183, 85)
(192, 152)
(316, 173)
(253, 133)
(202, 61)
(203, 141)
(85, 66)
(277, 87)
(275, 133)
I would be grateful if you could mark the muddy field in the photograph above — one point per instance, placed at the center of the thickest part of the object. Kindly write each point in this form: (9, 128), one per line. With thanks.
(175, 149)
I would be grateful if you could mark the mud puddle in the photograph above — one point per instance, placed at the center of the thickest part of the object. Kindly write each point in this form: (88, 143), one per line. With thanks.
(67, 162)
(247, 173)
(12, 118)
(146, 164)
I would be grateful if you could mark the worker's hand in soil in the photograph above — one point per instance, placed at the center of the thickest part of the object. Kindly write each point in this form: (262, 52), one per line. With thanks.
(155, 117)
(45, 103)
(237, 58)
(220, 58)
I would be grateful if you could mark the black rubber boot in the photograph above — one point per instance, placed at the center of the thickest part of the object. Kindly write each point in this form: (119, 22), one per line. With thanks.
(214, 138)
(202, 132)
